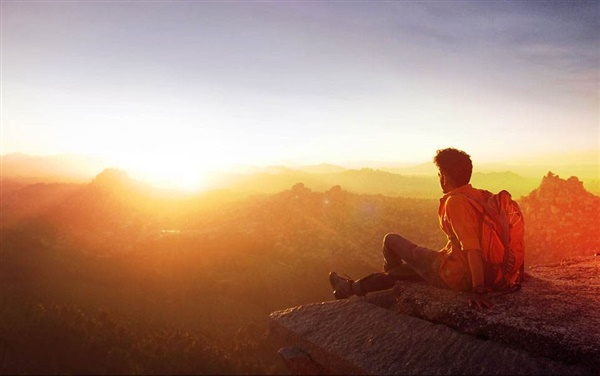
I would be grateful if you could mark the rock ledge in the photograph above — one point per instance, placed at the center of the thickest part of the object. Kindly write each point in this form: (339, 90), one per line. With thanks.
(551, 326)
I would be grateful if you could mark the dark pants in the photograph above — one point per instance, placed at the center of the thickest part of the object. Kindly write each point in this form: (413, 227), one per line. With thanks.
(419, 264)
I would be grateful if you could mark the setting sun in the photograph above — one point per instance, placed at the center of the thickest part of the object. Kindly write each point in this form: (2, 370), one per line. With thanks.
(172, 177)
(169, 170)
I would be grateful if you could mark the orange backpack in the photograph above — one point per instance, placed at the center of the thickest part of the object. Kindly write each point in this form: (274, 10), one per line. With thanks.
(502, 239)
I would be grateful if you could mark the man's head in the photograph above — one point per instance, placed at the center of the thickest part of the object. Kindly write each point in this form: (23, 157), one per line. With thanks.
(455, 168)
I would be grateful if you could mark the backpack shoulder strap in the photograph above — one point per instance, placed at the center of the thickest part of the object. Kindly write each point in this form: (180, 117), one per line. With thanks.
(488, 213)
(478, 203)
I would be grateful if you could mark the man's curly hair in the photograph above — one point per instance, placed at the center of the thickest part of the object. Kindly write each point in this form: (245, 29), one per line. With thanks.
(456, 164)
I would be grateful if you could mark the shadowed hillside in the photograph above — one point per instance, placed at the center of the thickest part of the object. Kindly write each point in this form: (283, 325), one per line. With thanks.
(207, 266)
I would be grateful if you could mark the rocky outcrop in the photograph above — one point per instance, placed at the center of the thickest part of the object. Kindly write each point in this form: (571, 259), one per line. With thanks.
(561, 220)
(548, 327)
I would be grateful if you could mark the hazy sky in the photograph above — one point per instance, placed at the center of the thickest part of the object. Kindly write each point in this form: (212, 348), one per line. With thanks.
(210, 83)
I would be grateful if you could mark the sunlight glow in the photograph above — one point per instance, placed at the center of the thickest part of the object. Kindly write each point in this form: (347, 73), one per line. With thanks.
(171, 176)
(166, 170)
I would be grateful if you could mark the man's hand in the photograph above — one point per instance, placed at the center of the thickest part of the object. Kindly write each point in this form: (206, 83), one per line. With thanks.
(480, 300)
(476, 264)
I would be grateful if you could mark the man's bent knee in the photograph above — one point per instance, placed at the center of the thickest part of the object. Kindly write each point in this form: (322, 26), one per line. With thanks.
(393, 241)
(388, 239)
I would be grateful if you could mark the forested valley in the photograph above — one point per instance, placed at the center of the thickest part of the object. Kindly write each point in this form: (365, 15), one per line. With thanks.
(114, 277)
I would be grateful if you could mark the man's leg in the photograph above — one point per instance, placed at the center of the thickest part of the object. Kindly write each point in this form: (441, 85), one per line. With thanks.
(395, 249)
(385, 280)
(391, 259)
(423, 261)
(394, 246)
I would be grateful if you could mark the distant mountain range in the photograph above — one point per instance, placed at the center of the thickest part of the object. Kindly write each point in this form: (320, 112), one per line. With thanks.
(408, 181)
(560, 213)
(60, 168)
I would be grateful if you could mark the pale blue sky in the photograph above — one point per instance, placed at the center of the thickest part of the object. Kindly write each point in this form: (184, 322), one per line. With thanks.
(267, 82)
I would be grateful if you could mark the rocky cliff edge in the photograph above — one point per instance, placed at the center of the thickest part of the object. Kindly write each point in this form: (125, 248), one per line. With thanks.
(550, 326)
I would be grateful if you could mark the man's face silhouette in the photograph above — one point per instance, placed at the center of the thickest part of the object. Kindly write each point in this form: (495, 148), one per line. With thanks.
(444, 183)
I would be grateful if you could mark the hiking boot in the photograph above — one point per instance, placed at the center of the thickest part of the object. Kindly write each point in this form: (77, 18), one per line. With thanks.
(342, 287)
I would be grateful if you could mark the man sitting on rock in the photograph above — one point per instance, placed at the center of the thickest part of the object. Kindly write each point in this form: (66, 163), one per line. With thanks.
(458, 266)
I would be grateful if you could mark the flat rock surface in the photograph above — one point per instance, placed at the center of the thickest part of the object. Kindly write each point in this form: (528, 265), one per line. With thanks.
(551, 326)
(356, 337)
(555, 315)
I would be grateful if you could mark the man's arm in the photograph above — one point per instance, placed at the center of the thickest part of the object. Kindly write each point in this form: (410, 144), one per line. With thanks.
(464, 220)
(476, 264)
